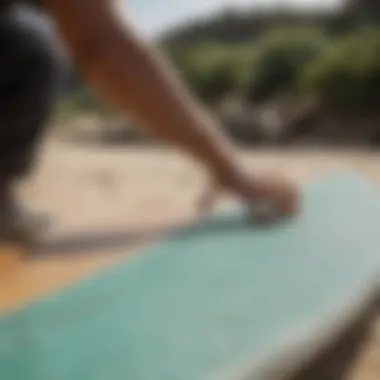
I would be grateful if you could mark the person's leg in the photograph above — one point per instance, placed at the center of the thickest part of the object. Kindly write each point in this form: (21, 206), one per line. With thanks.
(29, 84)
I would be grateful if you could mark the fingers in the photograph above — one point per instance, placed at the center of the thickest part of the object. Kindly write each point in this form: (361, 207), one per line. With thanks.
(277, 198)
(269, 197)
(290, 199)
(207, 201)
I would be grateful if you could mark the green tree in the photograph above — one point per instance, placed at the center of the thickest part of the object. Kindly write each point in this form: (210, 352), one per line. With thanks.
(346, 76)
(279, 57)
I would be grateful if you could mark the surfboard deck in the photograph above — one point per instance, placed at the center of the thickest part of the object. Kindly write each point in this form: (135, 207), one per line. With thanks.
(220, 300)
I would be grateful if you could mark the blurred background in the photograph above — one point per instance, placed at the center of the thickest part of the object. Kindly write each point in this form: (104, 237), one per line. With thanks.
(274, 72)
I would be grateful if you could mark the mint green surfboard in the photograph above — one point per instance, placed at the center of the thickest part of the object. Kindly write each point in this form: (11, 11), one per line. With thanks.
(219, 300)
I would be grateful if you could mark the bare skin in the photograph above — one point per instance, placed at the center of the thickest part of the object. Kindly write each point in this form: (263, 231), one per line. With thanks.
(133, 76)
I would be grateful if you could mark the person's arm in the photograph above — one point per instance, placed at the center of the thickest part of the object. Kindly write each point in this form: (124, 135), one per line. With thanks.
(132, 75)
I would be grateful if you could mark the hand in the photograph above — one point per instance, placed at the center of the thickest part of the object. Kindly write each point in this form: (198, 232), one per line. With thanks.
(269, 197)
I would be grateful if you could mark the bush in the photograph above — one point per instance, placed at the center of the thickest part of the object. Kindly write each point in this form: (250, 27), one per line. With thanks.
(210, 83)
(347, 76)
(279, 57)
(210, 70)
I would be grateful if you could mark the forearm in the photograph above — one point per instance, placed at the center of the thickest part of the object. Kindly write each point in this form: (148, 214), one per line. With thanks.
(134, 77)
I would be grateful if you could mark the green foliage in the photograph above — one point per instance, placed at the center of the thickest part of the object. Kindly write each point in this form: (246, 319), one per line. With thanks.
(346, 76)
(279, 57)
(210, 83)
(247, 25)
(82, 101)
(210, 70)
(344, 73)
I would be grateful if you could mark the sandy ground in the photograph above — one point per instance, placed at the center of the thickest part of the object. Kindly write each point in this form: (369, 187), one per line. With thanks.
(135, 185)
(119, 197)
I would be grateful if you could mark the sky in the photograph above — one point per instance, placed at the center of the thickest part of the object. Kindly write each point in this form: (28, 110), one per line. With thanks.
(153, 16)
